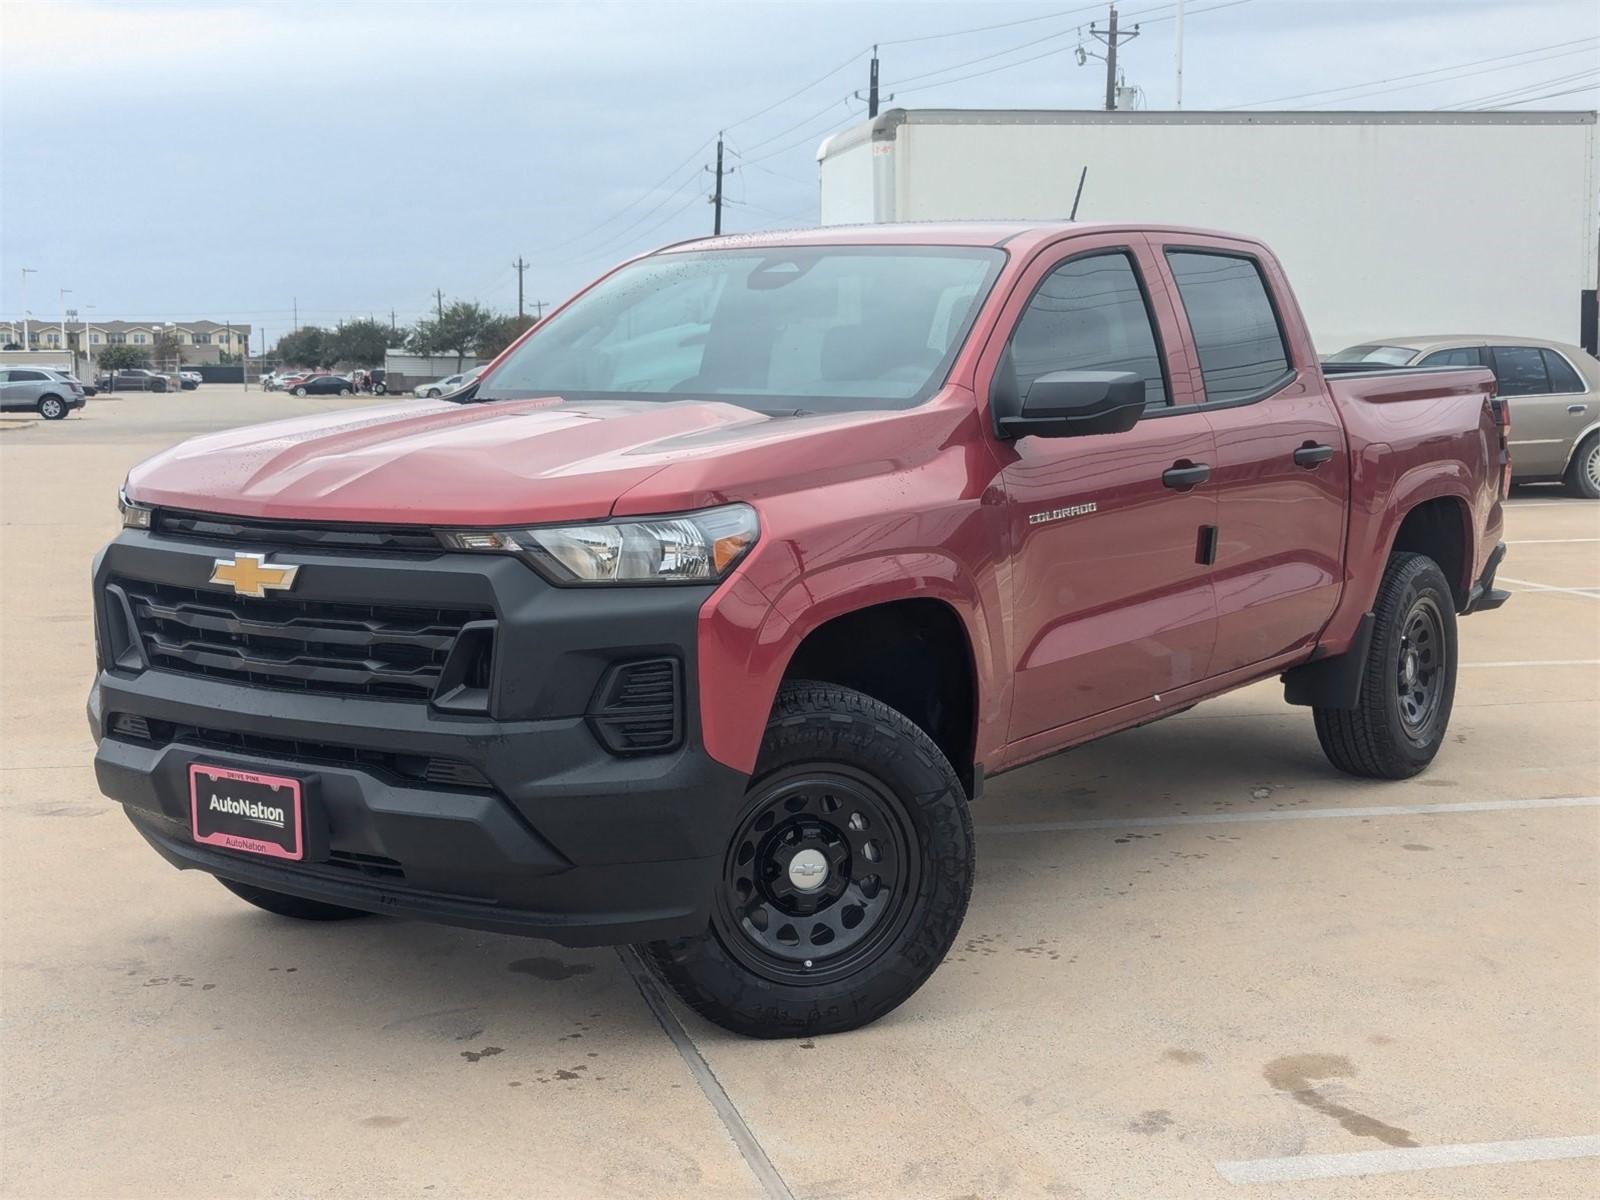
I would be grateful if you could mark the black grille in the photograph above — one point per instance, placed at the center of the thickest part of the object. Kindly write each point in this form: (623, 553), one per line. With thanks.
(638, 708)
(300, 645)
(399, 768)
(253, 532)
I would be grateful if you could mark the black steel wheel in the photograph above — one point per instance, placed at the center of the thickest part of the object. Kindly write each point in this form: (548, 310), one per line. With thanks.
(817, 877)
(1408, 680)
(845, 878)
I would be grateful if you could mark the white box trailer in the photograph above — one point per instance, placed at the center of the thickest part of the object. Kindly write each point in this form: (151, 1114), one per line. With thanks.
(1388, 223)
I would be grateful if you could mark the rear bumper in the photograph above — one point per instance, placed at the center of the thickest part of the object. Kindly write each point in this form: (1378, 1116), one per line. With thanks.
(1484, 595)
(530, 825)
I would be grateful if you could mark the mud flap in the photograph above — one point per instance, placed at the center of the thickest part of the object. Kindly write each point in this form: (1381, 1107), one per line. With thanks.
(1332, 682)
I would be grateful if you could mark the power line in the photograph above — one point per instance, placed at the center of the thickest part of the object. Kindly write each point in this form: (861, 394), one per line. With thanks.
(1492, 98)
(761, 112)
(1551, 95)
(1050, 16)
(1350, 87)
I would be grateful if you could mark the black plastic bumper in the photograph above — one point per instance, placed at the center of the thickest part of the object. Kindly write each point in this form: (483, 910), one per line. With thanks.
(1484, 595)
(554, 836)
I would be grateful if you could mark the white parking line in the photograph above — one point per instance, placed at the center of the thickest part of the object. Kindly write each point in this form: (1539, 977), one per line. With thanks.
(1592, 593)
(1549, 541)
(1538, 662)
(1421, 1158)
(754, 1155)
(1296, 814)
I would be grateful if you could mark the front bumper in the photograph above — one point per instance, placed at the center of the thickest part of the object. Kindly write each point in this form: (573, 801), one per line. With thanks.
(540, 830)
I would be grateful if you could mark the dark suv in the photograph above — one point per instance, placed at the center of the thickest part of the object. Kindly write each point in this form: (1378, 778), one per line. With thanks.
(135, 379)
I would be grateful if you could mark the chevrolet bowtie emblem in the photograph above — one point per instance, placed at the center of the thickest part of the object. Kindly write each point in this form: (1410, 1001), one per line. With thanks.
(252, 575)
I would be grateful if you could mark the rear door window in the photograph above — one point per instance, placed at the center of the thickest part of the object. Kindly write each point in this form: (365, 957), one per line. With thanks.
(1089, 314)
(1460, 356)
(28, 377)
(1521, 371)
(1563, 378)
(1236, 332)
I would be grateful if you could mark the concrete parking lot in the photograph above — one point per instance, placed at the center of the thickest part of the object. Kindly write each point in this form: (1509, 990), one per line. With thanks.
(1198, 962)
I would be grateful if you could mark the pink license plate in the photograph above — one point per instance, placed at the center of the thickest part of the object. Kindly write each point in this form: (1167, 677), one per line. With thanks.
(242, 810)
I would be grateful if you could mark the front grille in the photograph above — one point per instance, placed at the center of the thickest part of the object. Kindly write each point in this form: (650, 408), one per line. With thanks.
(301, 645)
(256, 532)
(638, 707)
(398, 768)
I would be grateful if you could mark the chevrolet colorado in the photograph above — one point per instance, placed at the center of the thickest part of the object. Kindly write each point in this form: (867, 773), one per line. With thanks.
(699, 620)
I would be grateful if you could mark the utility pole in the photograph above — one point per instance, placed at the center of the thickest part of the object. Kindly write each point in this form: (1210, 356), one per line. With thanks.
(61, 297)
(438, 297)
(297, 314)
(872, 86)
(1112, 40)
(716, 199)
(521, 267)
(393, 328)
(1177, 61)
(26, 271)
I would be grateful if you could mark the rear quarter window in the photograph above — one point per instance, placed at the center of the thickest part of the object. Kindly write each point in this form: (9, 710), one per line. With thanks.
(1236, 331)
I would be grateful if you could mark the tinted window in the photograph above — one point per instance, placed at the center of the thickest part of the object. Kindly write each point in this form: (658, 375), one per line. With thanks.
(1089, 315)
(1235, 330)
(831, 328)
(28, 376)
(1389, 356)
(1461, 356)
(1562, 377)
(1520, 370)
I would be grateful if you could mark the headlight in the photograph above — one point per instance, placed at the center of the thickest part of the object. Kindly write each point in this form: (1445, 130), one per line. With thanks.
(134, 516)
(699, 547)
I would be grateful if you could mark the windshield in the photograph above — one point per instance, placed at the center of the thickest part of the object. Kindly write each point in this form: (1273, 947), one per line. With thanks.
(832, 328)
(1391, 356)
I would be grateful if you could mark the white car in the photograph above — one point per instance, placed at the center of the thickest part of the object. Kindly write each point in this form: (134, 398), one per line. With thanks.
(443, 387)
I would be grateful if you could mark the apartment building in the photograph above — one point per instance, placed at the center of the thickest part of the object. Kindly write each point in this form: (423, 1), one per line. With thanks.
(199, 342)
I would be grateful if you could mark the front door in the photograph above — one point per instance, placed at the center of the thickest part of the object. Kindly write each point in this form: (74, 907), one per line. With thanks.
(1282, 472)
(1110, 603)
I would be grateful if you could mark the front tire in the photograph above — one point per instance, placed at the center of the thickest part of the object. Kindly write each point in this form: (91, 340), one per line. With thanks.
(297, 907)
(846, 878)
(1583, 473)
(433, 393)
(52, 408)
(1409, 684)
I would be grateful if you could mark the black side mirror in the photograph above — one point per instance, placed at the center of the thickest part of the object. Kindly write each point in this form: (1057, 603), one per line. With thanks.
(1075, 403)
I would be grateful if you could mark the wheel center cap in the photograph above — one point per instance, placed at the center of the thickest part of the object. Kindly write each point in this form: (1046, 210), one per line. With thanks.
(808, 870)
(1408, 668)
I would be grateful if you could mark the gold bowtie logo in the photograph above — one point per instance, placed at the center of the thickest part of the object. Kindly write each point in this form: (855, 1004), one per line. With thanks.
(252, 575)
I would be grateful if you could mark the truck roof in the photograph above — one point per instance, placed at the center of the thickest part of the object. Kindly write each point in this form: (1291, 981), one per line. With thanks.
(1016, 233)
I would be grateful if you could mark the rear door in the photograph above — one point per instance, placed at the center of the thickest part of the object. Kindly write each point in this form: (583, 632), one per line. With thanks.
(1109, 604)
(1550, 405)
(5, 390)
(1282, 473)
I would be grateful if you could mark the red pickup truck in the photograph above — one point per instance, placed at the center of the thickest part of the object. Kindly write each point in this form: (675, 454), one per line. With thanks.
(702, 617)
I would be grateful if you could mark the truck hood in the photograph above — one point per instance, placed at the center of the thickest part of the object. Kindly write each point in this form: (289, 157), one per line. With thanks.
(504, 463)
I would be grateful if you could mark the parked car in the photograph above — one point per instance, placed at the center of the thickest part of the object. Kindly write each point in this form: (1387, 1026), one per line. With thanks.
(133, 379)
(190, 380)
(51, 394)
(1553, 390)
(380, 381)
(443, 387)
(708, 648)
(322, 385)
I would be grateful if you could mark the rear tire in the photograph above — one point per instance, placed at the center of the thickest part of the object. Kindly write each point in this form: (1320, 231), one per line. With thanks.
(52, 408)
(846, 878)
(344, 391)
(297, 907)
(1410, 680)
(299, 391)
(1583, 472)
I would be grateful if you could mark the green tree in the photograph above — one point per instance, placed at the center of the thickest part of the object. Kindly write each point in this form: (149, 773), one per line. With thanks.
(361, 342)
(122, 358)
(167, 349)
(500, 332)
(311, 346)
(458, 330)
(422, 338)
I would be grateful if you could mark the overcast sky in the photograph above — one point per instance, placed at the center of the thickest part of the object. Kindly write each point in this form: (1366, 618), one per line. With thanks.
(221, 160)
